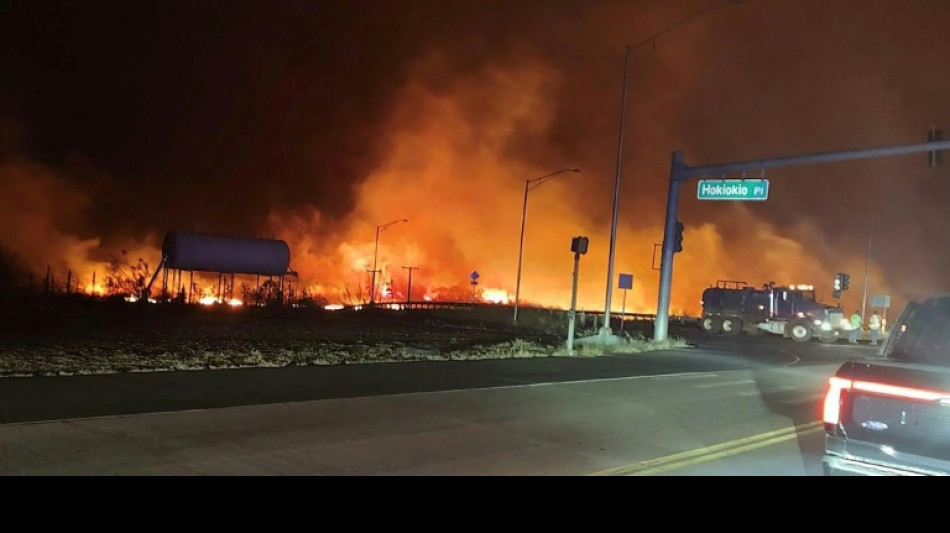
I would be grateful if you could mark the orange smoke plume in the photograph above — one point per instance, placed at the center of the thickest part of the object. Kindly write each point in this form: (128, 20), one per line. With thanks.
(450, 170)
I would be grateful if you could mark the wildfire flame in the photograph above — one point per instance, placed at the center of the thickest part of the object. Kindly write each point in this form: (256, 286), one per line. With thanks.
(495, 296)
(451, 171)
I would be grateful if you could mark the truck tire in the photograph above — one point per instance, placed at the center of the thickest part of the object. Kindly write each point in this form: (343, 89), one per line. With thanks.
(799, 330)
(828, 337)
(731, 326)
(711, 325)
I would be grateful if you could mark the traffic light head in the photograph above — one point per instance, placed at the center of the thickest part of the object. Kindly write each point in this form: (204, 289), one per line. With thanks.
(678, 239)
(845, 282)
(579, 245)
(837, 285)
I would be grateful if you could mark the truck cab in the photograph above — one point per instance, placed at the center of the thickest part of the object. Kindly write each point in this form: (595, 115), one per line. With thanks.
(792, 311)
(797, 314)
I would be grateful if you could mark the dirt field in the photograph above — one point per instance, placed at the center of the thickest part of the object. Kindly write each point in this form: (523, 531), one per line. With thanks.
(81, 336)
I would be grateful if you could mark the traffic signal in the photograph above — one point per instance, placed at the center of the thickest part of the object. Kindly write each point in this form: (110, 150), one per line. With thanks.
(838, 284)
(678, 239)
(579, 245)
(845, 282)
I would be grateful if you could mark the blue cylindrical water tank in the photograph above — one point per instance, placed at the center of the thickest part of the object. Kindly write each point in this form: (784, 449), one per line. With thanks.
(232, 255)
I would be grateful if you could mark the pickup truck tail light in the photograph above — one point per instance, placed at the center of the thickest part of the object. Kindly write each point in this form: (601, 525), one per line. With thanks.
(832, 410)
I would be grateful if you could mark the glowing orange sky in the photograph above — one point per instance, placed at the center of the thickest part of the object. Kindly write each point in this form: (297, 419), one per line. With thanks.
(316, 136)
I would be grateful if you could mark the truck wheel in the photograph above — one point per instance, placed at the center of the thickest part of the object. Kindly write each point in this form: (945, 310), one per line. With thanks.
(799, 331)
(828, 337)
(711, 325)
(731, 326)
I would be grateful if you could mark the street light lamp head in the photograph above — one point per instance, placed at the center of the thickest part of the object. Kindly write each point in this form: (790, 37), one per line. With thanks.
(574, 169)
(386, 225)
(379, 228)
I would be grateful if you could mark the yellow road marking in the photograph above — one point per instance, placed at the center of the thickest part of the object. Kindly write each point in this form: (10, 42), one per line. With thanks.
(711, 453)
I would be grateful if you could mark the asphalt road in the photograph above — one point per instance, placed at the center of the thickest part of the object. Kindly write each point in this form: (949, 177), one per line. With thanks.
(743, 406)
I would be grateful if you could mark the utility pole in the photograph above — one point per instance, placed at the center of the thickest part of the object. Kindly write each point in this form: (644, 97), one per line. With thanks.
(409, 289)
(372, 272)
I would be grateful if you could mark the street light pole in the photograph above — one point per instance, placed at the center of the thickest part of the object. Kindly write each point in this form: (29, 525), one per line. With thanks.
(606, 330)
(379, 228)
(524, 212)
(867, 265)
(867, 272)
(528, 185)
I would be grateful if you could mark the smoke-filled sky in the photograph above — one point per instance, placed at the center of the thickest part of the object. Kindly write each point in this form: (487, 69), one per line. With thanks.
(316, 121)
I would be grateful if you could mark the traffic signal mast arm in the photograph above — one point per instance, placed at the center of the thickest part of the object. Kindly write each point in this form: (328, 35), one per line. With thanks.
(680, 172)
(684, 172)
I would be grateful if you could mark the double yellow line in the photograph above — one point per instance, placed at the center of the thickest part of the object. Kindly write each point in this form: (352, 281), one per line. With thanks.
(711, 453)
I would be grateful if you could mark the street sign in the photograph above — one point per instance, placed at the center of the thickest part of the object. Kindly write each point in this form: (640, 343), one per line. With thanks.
(474, 275)
(626, 281)
(881, 301)
(735, 190)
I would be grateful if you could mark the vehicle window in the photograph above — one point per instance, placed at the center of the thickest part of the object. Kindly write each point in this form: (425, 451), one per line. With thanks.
(922, 334)
(898, 329)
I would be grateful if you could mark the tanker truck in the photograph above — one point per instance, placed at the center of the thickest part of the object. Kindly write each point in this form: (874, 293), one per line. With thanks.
(735, 307)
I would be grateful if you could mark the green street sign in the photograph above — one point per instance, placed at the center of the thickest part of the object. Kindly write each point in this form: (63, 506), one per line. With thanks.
(736, 190)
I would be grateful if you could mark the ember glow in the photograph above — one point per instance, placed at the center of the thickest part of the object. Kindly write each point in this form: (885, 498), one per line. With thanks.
(495, 296)
(211, 300)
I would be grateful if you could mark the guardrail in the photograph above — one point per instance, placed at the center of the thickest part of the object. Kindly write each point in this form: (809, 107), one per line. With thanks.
(473, 306)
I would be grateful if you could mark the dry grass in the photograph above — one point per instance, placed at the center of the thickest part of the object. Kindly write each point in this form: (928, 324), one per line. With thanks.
(104, 340)
(628, 345)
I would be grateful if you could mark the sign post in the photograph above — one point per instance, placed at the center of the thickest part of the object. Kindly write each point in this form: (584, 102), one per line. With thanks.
(474, 277)
(882, 301)
(579, 247)
(626, 283)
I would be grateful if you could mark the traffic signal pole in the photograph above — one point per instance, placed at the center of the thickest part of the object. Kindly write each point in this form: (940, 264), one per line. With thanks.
(661, 324)
(681, 173)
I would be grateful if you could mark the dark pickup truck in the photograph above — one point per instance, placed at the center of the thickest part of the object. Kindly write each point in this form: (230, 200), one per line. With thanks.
(890, 415)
